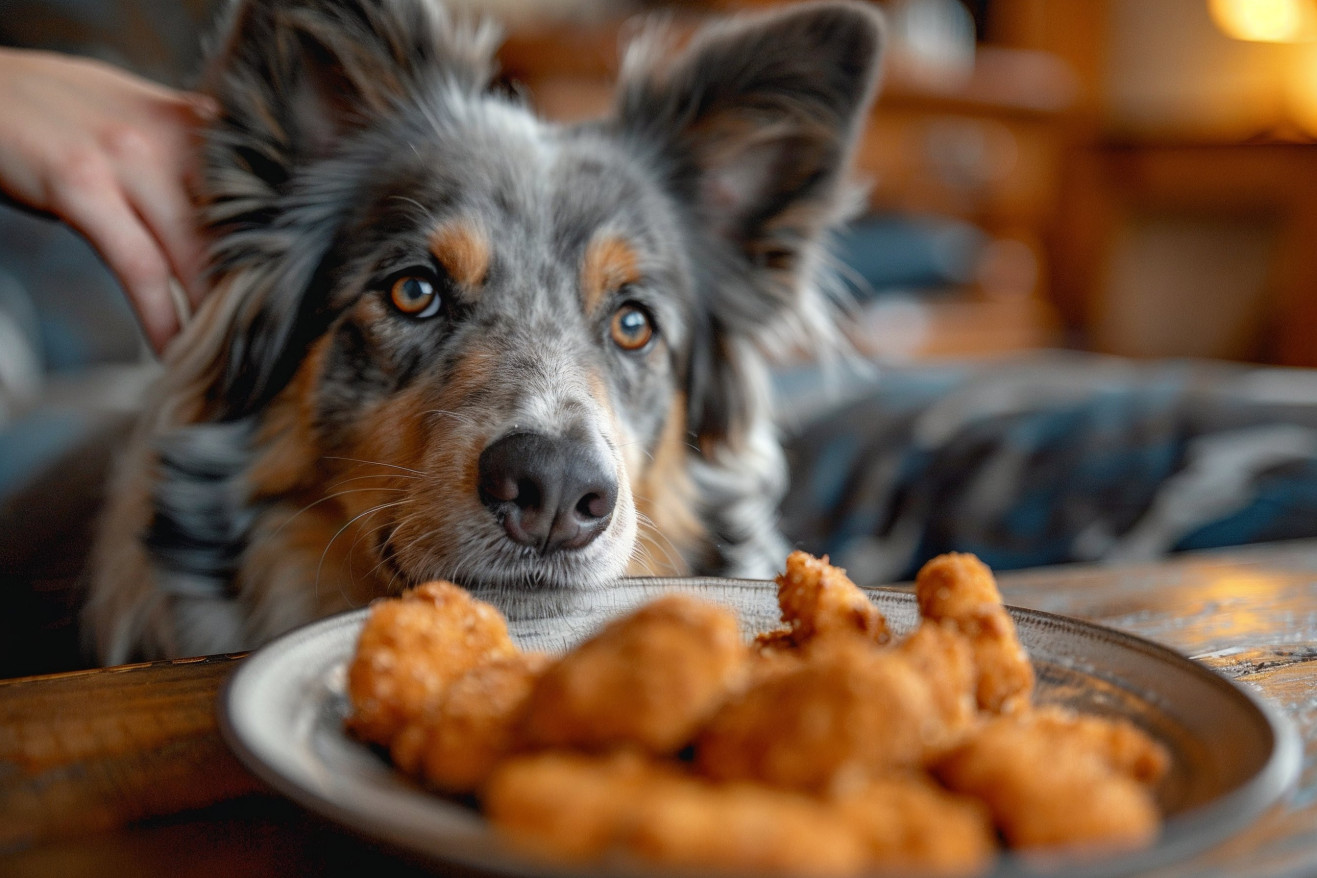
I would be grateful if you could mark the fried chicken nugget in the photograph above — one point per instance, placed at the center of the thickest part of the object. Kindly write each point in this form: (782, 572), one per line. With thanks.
(818, 599)
(564, 805)
(411, 649)
(1050, 782)
(752, 829)
(772, 653)
(842, 715)
(910, 824)
(455, 746)
(577, 808)
(648, 679)
(1121, 745)
(944, 659)
(960, 589)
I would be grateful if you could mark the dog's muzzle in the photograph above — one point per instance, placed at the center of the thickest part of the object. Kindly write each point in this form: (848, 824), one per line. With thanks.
(549, 493)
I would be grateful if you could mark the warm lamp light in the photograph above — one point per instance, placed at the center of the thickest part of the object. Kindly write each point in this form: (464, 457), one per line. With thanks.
(1301, 98)
(1268, 21)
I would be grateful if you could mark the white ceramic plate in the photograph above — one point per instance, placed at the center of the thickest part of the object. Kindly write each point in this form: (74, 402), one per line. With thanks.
(1232, 755)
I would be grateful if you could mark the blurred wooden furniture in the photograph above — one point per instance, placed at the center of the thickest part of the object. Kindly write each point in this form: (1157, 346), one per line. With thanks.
(1268, 187)
(122, 770)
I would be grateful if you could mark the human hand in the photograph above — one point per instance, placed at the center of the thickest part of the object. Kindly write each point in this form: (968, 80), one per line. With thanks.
(113, 156)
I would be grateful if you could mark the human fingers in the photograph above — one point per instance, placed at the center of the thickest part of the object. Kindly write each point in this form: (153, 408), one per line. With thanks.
(110, 154)
(163, 204)
(156, 162)
(101, 213)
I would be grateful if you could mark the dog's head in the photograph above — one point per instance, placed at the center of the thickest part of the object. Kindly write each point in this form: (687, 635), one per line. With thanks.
(494, 345)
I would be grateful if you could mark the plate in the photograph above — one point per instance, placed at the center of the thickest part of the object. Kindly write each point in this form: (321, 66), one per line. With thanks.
(1232, 755)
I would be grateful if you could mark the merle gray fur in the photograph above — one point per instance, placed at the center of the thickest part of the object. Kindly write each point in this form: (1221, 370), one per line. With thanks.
(349, 130)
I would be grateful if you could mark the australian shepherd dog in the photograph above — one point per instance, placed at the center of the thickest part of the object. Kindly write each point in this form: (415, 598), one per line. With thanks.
(448, 339)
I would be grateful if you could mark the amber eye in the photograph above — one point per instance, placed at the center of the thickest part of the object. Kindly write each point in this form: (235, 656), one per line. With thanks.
(415, 296)
(632, 327)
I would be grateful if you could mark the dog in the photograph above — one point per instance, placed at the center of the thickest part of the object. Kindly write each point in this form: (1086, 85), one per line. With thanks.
(447, 339)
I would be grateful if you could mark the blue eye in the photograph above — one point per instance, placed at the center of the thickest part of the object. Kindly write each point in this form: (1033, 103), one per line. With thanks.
(632, 328)
(415, 297)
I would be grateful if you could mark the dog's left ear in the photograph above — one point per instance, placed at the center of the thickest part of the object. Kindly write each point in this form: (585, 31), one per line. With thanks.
(754, 123)
(756, 118)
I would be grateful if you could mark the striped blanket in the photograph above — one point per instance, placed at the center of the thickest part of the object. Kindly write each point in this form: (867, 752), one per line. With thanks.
(1051, 458)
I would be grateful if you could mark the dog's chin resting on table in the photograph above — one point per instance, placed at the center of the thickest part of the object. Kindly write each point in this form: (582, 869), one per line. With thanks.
(450, 340)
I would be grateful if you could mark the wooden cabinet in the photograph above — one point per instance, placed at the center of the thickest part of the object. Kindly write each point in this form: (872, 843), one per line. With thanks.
(1241, 216)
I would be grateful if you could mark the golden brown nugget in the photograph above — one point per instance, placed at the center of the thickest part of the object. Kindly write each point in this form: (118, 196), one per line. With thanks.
(566, 806)
(959, 589)
(771, 653)
(1005, 676)
(956, 586)
(577, 808)
(813, 750)
(909, 824)
(1118, 743)
(843, 715)
(1048, 788)
(944, 659)
(749, 828)
(648, 679)
(818, 599)
(774, 642)
(455, 746)
(411, 648)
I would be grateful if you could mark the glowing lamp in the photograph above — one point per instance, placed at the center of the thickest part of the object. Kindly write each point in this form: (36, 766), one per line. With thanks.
(1267, 21)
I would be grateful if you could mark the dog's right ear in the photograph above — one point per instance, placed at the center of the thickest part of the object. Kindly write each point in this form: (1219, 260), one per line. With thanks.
(293, 76)
(294, 79)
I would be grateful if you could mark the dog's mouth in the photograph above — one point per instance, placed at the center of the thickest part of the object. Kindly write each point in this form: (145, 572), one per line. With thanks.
(507, 568)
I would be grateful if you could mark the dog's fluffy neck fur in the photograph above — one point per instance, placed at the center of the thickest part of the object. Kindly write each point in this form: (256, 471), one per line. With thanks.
(234, 518)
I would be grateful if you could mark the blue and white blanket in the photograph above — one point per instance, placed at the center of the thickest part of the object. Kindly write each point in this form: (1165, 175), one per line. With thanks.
(1052, 458)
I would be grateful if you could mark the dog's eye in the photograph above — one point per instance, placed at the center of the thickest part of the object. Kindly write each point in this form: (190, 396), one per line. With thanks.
(415, 296)
(632, 328)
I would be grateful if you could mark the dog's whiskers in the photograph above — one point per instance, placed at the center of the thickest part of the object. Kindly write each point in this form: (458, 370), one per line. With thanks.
(381, 561)
(372, 573)
(394, 466)
(395, 570)
(644, 450)
(460, 417)
(412, 201)
(351, 521)
(440, 572)
(372, 476)
(658, 540)
(325, 499)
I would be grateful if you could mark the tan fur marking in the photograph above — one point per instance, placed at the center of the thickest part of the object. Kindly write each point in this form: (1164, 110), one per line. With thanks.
(395, 434)
(610, 263)
(599, 390)
(463, 250)
(665, 499)
(305, 542)
(289, 459)
(434, 477)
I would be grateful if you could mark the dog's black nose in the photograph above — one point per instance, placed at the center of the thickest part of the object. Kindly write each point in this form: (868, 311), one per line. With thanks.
(549, 493)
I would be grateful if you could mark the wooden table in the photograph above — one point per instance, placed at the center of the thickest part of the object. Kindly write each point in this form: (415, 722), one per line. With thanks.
(122, 770)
